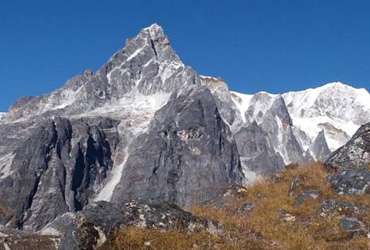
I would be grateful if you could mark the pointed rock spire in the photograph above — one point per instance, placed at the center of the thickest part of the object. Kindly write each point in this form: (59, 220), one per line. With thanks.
(320, 147)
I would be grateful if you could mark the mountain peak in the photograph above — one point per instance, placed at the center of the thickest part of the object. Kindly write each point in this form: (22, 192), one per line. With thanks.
(154, 33)
(336, 85)
(154, 29)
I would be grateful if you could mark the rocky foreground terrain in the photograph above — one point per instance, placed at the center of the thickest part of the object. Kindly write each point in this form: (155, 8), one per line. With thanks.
(145, 153)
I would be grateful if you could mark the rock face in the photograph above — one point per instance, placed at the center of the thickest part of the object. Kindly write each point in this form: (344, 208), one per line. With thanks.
(266, 137)
(351, 181)
(352, 163)
(186, 151)
(320, 147)
(256, 151)
(355, 154)
(142, 127)
(57, 169)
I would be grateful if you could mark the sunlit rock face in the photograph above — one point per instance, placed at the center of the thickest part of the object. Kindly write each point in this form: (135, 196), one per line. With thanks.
(142, 127)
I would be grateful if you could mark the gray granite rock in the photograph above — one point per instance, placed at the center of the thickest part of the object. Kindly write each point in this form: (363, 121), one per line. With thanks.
(56, 170)
(306, 195)
(351, 164)
(351, 181)
(354, 154)
(187, 156)
(333, 206)
(353, 225)
(320, 147)
(256, 150)
(91, 227)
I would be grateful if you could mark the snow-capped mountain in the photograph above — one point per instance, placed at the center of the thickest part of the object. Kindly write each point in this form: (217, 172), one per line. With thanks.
(328, 115)
(147, 127)
(336, 108)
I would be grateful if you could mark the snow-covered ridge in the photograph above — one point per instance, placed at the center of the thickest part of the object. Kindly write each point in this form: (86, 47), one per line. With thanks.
(256, 104)
(242, 102)
(134, 109)
(337, 108)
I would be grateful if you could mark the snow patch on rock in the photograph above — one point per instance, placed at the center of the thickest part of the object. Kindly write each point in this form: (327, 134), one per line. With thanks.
(242, 102)
(5, 165)
(106, 192)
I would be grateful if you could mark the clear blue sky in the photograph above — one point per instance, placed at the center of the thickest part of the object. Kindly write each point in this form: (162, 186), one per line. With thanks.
(253, 44)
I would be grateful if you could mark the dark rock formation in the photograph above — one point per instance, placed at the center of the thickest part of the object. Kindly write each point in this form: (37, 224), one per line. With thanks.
(353, 226)
(333, 206)
(57, 169)
(256, 150)
(320, 147)
(188, 155)
(306, 195)
(351, 163)
(351, 181)
(89, 228)
(355, 154)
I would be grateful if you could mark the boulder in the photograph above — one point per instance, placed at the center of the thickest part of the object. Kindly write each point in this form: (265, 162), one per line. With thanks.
(351, 181)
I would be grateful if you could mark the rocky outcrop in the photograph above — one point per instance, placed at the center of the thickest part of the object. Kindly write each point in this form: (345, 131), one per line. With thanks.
(351, 181)
(265, 118)
(91, 227)
(355, 154)
(188, 155)
(57, 170)
(353, 226)
(98, 222)
(351, 163)
(256, 151)
(320, 147)
(345, 208)
(14, 240)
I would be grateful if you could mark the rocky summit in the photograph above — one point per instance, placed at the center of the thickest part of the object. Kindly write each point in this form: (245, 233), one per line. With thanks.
(145, 138)
(143, 127)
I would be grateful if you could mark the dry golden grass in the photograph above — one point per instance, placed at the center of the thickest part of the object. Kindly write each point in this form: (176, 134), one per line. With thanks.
(263, 227)
(309, 230)
(149, 239)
